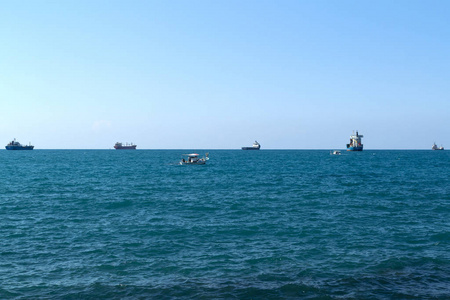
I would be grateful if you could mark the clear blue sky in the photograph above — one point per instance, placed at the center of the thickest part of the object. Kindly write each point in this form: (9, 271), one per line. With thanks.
(220, 74)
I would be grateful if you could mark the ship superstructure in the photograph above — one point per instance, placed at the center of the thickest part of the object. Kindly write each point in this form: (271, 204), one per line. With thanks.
(355, 142)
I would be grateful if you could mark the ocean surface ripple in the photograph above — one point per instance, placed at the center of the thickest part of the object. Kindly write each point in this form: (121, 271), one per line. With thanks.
(269, 224)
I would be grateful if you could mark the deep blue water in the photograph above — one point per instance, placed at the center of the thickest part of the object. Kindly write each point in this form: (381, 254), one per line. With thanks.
(281, 224)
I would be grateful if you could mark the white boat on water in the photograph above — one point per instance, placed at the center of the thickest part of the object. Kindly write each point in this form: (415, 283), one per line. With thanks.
(335, 152)
(435, 147)
(193, 159)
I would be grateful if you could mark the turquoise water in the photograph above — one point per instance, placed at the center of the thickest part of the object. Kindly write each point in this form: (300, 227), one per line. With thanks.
(281, 224)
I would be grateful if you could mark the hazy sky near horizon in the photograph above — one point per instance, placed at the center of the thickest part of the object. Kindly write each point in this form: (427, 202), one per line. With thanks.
(220, 74)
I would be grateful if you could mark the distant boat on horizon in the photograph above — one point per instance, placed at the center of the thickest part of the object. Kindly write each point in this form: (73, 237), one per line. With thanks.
(256, 146)
(120, 146)
(435, 147)
(15, 145)
(355, 142)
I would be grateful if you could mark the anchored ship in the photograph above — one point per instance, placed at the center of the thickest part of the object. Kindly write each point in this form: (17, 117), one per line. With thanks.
(120, 146)
(15, 145)
(435, 147)
(355, 142)
(255, 146)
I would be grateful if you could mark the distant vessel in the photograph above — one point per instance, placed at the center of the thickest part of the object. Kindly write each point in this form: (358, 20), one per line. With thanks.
(355, 142)
(335, 152)
(14, 145)
(256, 146)
(120, 146)
(435, 147)
(192, 159)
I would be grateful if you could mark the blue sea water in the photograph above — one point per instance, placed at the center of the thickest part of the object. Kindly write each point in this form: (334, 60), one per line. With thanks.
(269, 224)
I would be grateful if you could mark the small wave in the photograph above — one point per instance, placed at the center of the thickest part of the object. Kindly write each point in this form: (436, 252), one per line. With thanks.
(120, 204)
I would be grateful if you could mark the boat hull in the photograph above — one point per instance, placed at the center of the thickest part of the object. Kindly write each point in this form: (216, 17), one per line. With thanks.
(250, 148)
(360, 148)
(193, 163)
(19, 147)
(125, 148)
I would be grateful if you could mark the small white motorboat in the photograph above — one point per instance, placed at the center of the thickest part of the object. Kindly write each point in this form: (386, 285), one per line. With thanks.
(335, 152)
(193, 159)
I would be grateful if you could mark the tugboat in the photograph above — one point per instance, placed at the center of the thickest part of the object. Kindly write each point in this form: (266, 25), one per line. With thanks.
(256, 146)
(435, 147)
(355, 142)
(119, 146)
(192, 159)
(14, 145)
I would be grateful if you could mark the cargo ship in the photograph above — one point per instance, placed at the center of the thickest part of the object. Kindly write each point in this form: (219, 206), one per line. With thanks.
(355, 142)
(256, 146)
(435, 147)
(120, 146)
(15, 145)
